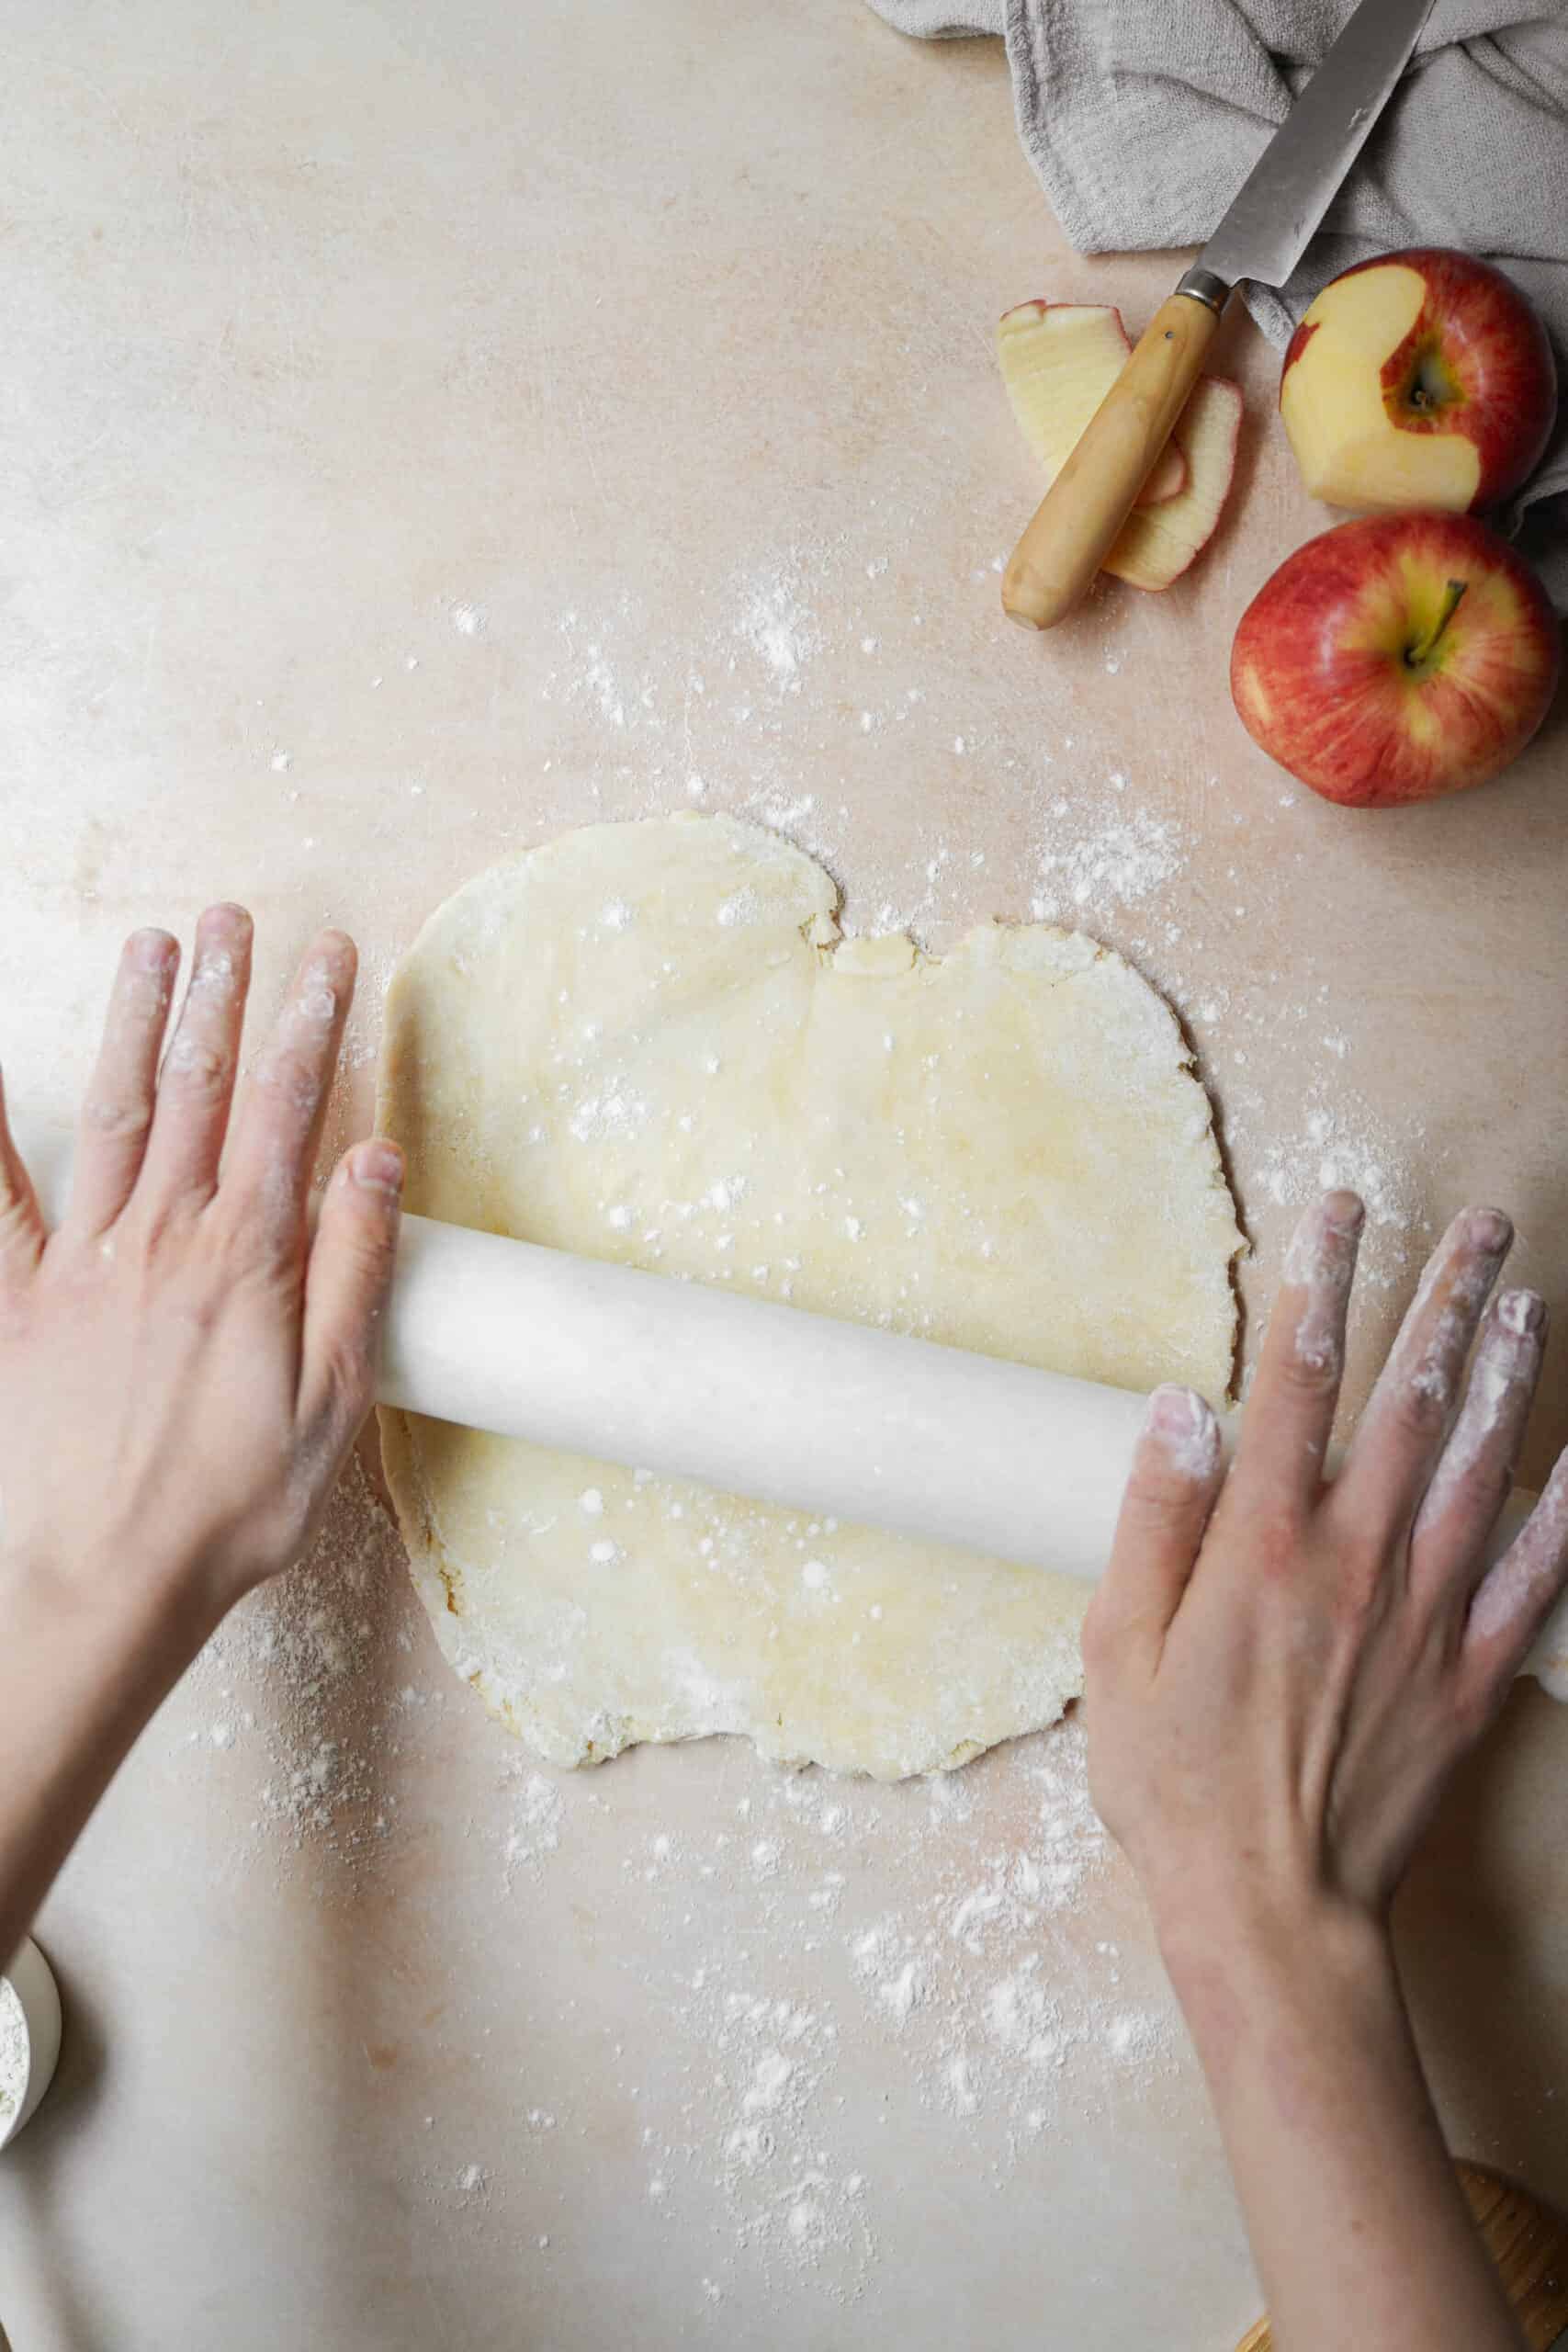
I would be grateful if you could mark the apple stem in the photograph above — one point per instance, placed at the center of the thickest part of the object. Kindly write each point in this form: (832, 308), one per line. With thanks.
(1424, 647)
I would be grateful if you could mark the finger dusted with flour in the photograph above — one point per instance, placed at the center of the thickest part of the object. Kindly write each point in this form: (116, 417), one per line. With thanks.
(349, 1276)
(1519, 1595)
(278, 1129)
(1404, 1429)
(116, 1110)
(196, 1084)
(1291, 1414)
(1475, 1472)
(1176, 1475)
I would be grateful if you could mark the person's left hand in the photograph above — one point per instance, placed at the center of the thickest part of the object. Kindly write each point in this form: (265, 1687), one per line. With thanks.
(1284, 1670)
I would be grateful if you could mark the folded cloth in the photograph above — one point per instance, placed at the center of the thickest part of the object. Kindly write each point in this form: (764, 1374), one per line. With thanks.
(1143, 117)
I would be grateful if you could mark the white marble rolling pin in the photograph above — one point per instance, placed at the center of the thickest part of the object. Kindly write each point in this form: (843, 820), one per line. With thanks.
(839, 1419)
(842, 1421)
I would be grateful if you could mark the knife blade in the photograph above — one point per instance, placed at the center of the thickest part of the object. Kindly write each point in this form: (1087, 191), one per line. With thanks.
(1262, 236)
(1274, 214)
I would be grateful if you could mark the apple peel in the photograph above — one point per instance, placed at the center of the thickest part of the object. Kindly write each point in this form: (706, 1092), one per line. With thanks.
(1158, 544)
(1058, 361)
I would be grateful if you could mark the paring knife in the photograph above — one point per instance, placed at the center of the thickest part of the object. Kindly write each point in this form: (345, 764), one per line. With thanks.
(1261, 237)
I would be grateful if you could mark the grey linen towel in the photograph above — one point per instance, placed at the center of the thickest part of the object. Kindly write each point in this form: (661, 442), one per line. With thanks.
(1143, 118)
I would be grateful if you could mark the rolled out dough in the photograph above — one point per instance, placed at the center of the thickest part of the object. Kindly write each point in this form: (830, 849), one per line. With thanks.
(642, 1042)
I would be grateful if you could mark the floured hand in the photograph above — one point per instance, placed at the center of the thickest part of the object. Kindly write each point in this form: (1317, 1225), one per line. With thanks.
(182, 1367)
(1282, 1672)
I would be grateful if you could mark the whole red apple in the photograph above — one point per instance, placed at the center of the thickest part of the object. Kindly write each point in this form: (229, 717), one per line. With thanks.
(1422, 378)
(1397, 658)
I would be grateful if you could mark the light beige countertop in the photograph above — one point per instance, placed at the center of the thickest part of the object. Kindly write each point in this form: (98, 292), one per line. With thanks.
(426, 430)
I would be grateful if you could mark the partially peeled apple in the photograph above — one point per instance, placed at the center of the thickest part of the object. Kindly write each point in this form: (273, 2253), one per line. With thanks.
(1058, 361)
(1421, 379)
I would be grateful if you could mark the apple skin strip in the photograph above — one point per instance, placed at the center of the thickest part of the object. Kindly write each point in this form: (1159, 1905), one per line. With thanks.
(1158, 544)
(1058, 362)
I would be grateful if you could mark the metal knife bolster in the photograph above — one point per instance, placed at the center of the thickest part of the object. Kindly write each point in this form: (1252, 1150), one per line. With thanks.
(1204, 286)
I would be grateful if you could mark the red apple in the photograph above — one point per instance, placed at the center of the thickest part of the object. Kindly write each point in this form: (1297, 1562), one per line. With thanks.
(1422, 379)
(1397, 658)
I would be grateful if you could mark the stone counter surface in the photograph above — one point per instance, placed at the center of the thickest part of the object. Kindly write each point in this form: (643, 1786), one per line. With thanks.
(427, 430)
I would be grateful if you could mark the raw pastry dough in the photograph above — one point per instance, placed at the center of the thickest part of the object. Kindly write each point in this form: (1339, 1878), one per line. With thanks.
(641, 1043)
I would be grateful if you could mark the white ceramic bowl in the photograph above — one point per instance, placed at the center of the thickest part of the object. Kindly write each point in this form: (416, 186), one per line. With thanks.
(32, 1981)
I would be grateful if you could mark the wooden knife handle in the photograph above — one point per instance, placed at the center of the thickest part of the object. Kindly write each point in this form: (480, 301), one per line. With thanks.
(1528, 2242)
(1092, 496)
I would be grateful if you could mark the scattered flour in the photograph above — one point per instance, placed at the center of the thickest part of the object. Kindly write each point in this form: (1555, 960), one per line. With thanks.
(988, 2005)
(1337, 1147)
(536, 1826)
(1099, 855)
(776, 625)
(293, 1684)
(14, 2056)
(1336, 1140)
(774, 1970)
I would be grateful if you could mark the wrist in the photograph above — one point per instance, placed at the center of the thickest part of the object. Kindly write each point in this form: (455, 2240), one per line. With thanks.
(1237, 1948)
(120, 1607)
(86, 1657)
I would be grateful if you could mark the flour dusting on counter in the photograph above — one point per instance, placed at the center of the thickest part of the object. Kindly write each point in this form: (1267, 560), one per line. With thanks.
(13, 2055)
(297, 1686)
(992, 2010)
(1102, 854)
(775, 624)
(799, 1934)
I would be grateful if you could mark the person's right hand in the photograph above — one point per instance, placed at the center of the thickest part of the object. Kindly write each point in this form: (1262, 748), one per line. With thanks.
(183, 1365)
(1283, 1670)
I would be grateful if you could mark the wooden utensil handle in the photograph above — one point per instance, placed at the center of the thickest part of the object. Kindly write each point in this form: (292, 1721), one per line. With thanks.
(1092, 496)
(1528, 2242)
